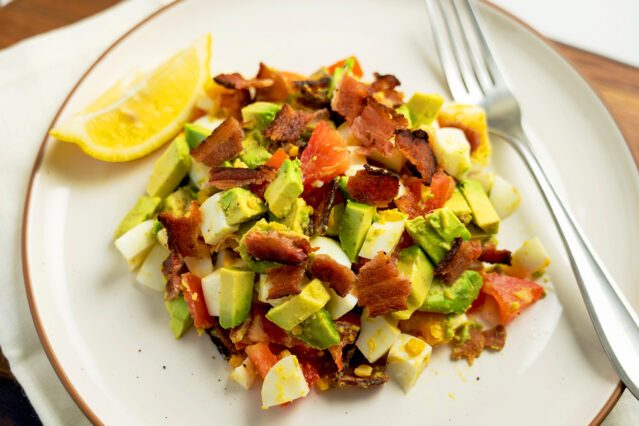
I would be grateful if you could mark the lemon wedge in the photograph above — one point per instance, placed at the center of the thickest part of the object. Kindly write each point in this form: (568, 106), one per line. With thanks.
(143, 110)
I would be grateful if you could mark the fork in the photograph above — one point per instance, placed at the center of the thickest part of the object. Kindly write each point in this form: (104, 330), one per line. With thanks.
(474, 77)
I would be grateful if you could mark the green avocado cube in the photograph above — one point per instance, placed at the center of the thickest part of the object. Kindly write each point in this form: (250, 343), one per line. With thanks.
(427, 238)
(299, 307)
(356, 221)
(317, 331)
(258, 115)
(170, 168)
(181, 319)
(484, 214)
(335, 220)
(447, 225)
(299, 218)
(236, 295)
(414, 265)
(458, 205)
(405, 111)
(144, 209)
(195, 134)
(453, 299)
(423, 108)
(179, 201)
(253, 154)
(285, 188)
(241, 205)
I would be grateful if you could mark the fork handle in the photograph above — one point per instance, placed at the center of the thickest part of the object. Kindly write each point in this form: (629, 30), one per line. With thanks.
(615, 321)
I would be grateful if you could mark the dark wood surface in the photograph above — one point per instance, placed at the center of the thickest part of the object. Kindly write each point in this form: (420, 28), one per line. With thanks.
(616, 83)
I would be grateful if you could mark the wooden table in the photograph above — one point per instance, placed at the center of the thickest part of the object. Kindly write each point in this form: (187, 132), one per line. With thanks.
(616, 83)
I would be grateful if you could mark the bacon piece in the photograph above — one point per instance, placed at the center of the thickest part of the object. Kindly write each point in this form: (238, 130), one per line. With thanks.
(314, 93)
(376, 125)
(472, 348)
(237, 82)
(414, 145)
(350, 97)
(322, 209)
(183, 231)
(172, 268)
(380, 287)
(285, 280)
(495, 338)
(385, 85)
(490, 254)
(232, 177)
(232, 102)
(459, 258)
(250, 331)
(405, 241)
(279, 91)
(285, 248)
(337, 275)
(348, 331)
(288, 124)
(376, 187)
(220, 337)
(223, 144)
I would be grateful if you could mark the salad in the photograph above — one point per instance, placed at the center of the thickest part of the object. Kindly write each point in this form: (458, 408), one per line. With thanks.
(324, 232)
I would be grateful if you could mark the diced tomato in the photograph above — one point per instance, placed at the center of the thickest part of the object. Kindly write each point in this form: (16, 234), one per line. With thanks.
(310, 374)
(511, 294)
(194, 297)
(442, 187)
(357, 69)
(405, 241)
(352, 318)
(325, 156)
(277, 158)
(260, 354)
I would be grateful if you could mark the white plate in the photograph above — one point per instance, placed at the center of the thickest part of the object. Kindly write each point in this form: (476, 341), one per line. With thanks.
(109, 339)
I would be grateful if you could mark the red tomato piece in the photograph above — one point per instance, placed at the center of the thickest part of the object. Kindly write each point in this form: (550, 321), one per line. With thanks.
(325, 156)
(357, 68)
(194, 297)
(277, 158)
(260, 354)
(511, 294)
(442, 187)
(310, 373)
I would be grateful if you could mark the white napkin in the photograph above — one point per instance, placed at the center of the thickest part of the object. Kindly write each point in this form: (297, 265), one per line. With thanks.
(35, 77)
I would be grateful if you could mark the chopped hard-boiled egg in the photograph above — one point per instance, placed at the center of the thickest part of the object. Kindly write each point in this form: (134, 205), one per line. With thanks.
(199, 174)
(376, 336)
(163, 238)
(211, 285)
(407, 359)
(452, 151)
(244, 374)
(214, 225)
(136, 243)
(284, 382)
(395, 162)
(150, 273)
(208, 122)
(337, 306)
(529, 259)
(485, 177)
(504, 197)
(357, 161)
(384, 234)
(200, 267)
(331, 248)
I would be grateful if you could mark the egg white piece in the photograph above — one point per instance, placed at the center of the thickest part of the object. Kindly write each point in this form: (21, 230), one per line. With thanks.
(337, 306)
(376, 336)
(244, 374)
(200, 267)
(163, 238)
(284, 382)
(214, 225)
(531, 257)
(208, 122)
(150, 273)
(136, 243)
(382, 236)
(452, 151)
(504, 197)
(199, 174)
(331, 248)
(407, 359)
(211, 285)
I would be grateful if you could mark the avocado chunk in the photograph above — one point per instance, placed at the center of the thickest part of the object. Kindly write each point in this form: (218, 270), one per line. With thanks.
(356, 221)
(318, 331)
(427, 238)
(458, 205)
(299, 307)
(285, 188)
(454, 299)
(170, 168)
(446, 224)
(299, 217)
(144, 209)
(236, 294)
(179, 201)
(180, 317)
(195, 134)
(253, 153)
(423, 108)
(335, 220)
(405, 111)
(259, 266)
(240, 205)
(258, 115)
(414, 265)
(484, 214)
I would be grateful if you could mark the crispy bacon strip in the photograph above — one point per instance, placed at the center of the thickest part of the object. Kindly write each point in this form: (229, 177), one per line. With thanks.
(237, 82)
(337, 275)
(376, 125)
(348, 332)
(279, 91)
(220, 337)
(494, 339)
(414, 145)
(490, 254)
(232, 102)
(350, 97)
(223, 144)
(232, 177)
(284, 248)
(376, 187)
(380, 287)
(285, 280)
(385, 85)
(314, 93)
(459, 258)
(288, 124)
(172, 268)
(322, 211)
(183, 231)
